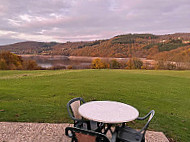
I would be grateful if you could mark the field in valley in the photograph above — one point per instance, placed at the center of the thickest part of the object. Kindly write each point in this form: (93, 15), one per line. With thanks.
(41, 96)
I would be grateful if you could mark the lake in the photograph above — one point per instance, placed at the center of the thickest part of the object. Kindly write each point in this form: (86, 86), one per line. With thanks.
(77, 62)
(48, 61)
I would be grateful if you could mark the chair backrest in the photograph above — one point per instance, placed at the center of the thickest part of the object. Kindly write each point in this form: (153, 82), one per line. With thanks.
(72, 108)
(81, 135)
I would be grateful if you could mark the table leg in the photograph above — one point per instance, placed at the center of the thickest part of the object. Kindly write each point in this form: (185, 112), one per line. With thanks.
(108, 129)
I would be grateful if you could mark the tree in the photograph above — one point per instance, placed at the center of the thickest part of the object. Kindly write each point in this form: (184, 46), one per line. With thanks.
(30, 65)
(134, 63)
(159, 65)
(98, 64)
(10, 61)
(152, 51)
(3, 64)
(114, 64)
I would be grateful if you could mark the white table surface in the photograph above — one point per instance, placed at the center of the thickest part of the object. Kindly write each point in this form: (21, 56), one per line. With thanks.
(108, 111)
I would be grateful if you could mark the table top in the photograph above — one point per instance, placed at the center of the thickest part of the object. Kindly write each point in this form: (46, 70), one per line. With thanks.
(108, 111)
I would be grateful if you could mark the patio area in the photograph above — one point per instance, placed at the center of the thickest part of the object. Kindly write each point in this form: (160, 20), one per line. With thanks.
(38, 132)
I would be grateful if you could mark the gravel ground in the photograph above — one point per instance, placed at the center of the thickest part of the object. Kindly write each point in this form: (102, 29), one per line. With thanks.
(46, 132)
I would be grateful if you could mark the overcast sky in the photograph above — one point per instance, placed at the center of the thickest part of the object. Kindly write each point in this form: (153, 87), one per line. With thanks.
(81, 20)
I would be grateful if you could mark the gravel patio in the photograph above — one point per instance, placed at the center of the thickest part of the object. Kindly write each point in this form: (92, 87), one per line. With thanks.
(46, 132)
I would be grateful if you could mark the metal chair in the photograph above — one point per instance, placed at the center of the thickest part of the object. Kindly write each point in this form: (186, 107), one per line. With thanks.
(81, 135)
(79, 122)
(127, 134)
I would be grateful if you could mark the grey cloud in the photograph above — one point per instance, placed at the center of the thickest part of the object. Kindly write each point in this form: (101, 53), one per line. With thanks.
(90, 19)
(5, 41)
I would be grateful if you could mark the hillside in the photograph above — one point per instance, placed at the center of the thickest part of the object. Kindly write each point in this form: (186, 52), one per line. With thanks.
(129, 45)
(29, 47)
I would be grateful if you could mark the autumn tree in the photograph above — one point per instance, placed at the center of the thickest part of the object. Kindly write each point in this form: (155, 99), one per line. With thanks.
(134, 63)
(3, 64)
(30, 65)
(114, 64)
(10, 61)
(152, 51)
(159, 65)
(98, 64)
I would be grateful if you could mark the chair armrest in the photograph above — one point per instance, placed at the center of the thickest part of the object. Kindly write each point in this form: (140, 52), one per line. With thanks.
(150, 114)
(143, 118)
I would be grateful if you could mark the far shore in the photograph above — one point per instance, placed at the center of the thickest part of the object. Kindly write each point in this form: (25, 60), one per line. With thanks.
(87, 58)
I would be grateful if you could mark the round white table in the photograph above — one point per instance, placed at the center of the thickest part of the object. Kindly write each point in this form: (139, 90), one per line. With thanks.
(108, 112)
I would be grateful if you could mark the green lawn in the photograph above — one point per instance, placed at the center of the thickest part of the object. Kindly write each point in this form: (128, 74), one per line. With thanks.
(41, 96)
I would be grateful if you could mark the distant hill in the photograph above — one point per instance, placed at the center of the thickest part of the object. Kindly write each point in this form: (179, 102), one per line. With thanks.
(128, 45)
(29, 47)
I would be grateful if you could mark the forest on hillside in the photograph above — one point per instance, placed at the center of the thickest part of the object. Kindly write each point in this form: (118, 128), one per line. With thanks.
(171, 47)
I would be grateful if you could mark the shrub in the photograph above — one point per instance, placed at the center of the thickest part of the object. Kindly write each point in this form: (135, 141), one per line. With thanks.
(69, 67)
(171, 66)
(56, 68)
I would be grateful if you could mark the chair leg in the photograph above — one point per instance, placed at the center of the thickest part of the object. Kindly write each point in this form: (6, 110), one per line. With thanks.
(143, 140)
(117, 140)
(88, 125)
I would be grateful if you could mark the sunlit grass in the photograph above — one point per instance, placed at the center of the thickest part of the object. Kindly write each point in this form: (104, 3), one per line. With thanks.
(41, 96)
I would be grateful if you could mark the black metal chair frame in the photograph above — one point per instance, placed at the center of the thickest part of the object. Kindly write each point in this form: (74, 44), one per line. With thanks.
(70, 132)
(143, 130)
(79, 122)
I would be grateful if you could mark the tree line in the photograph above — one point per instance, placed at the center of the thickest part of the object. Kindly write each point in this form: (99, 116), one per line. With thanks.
(133, 63)
(136, 63)
(10, 61)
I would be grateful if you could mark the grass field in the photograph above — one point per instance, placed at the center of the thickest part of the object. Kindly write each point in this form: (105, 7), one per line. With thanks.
(41, 96)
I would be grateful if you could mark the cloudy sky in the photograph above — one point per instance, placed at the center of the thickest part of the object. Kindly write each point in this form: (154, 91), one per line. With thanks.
(82, 20)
